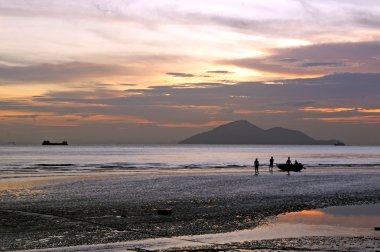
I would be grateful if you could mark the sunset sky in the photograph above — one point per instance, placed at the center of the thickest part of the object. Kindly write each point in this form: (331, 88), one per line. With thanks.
(139, 71)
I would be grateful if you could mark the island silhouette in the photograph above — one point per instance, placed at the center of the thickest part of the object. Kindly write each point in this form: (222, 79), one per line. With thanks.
(244, 132)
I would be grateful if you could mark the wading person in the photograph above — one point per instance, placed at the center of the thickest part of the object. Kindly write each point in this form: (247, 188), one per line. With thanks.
(256, 167)
(271, 161)
(288, 165)
(288, 162)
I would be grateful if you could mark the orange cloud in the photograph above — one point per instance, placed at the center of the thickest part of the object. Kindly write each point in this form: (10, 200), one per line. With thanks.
(72, 105)
(338, 110)
(326, 110)
(350, 119)
(250, 112)
(60, 72)
(117, 119)
(52, 119)
(20, 113)
(207, 109)
(362, 110)
(38, 118)
(193, 125)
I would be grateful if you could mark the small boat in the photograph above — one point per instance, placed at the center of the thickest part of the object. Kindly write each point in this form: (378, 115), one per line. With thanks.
(46, 142)
(292, 167)
(339, 144)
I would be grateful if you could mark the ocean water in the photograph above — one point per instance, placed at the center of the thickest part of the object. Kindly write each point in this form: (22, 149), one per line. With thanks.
(130, 157)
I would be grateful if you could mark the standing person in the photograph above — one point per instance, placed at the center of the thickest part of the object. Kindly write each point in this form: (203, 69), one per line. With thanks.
(288, 162)
(271, 161)
(256, 167)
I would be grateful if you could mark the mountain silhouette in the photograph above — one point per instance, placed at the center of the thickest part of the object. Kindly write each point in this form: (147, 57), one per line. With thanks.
(243, 132)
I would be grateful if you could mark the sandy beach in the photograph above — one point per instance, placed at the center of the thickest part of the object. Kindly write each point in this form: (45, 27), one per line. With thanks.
(173, 126)
(101, 208)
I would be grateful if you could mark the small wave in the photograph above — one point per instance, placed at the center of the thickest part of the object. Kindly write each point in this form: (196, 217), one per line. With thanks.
(228, 166)
(237, 166)
(54, 165)
(191, 166)
(127, 166)
(215, 166)
(345, 165)
(117, 167)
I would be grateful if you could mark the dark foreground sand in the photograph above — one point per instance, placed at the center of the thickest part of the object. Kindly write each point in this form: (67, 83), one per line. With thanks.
(106, 208)
(316, 243)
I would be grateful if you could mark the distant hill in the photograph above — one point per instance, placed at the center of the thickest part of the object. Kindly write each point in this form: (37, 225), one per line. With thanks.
(243, 132)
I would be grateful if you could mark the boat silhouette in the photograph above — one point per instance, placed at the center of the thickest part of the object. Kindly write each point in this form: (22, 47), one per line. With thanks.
(339, 144)
(291, 167)
(46, 142)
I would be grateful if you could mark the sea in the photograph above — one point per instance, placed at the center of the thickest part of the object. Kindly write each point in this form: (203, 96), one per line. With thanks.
(62, 159)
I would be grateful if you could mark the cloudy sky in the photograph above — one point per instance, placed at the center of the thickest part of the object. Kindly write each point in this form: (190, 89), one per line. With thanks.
(139, 71)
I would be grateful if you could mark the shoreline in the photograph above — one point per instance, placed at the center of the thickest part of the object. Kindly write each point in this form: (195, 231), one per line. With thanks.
(20, 179)
(113, 208)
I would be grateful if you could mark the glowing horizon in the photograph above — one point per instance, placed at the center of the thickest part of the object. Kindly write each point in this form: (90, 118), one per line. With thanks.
(73, 63)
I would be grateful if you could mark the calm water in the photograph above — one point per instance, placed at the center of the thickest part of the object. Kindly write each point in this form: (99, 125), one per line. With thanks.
(127, 157)
(332, 221)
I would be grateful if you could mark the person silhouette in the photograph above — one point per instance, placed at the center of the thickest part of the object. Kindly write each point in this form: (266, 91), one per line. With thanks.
(256, 166)
(271, 161)
(288, 162)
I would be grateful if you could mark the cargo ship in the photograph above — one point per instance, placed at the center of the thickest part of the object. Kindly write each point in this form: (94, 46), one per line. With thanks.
(339, 144)
(46, 142)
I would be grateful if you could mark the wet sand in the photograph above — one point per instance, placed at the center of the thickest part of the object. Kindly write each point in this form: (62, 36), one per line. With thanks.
(344, 228)
(99, 208)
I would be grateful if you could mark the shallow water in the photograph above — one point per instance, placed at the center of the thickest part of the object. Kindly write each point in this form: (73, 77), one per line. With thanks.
(365, 216)
(332, 221)
(61, 159)
(346, 221)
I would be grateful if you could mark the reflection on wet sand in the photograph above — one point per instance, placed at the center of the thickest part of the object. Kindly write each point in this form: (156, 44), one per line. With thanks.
(321, 217)
(346, 221)
(334, 221)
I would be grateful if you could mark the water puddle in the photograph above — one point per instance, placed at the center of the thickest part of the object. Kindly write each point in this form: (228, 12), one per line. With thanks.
(332, 221)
